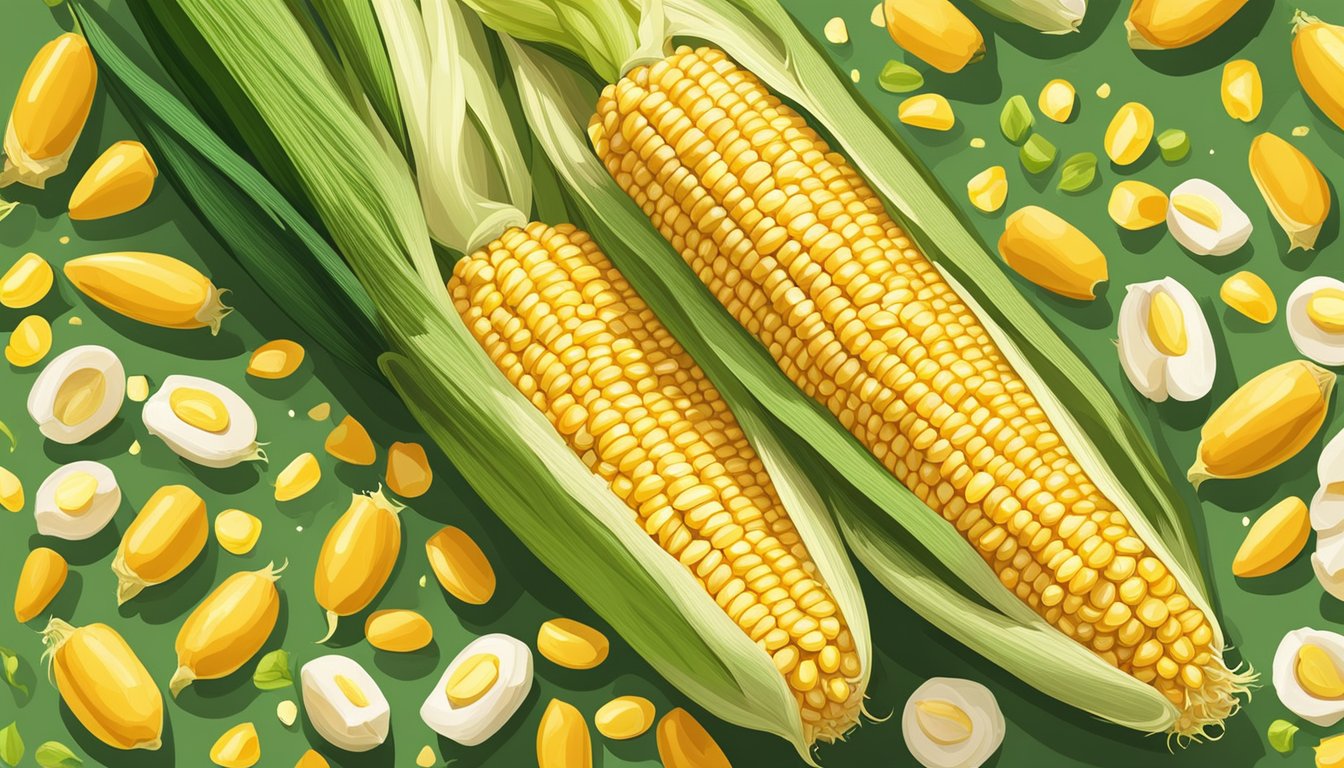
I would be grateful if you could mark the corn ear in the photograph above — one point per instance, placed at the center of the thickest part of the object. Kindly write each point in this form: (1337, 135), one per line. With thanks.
(164, 538)
(1165, 24)
(935, 31)
(1052, 253)
(50, 111)
(1293, 188)
(357, 557)
(119, 181)
(228, 628)
(105, 685)
(151, 288)
(1318, 59)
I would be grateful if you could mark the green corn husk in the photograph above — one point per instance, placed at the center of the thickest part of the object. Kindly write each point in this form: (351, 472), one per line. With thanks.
(902, 541)
(371, 203)
(1053, 17)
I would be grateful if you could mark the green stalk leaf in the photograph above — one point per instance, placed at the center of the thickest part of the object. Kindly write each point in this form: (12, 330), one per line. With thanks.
(360, 43)
(9, 667)
(11, 745)
(1053, 17)
(54, 754)
(272, 671)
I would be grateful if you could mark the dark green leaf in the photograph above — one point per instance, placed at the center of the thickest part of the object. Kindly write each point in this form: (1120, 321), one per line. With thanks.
(11, 745)
(54, 754)
(273, 671)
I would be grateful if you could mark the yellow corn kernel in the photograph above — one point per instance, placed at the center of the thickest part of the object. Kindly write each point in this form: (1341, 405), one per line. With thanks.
(1135, 205)
(1166, 325)
(199, 408)
(349, 442)
(311, 759)
(1293, 188)
(460, 566)
(1129, 134)
(1052, 253)
(942, 721)
(927, 110)
(684, 743)
(151, 288)
(351, 690)
(357, 557)
(319, 412)
(1199, 209)
(1248, 293)
(1318, 59)
(398, 631)
(1317, 673)
(1330, 752)
(1264, 423)
(572, 644)
(42, 577)
(426, 758)
(26, 282)
(137, 388)
(300, 477)
(1104, 91)
(75, 493)
(1163, 24)
(237, 531)
(29, 342)
(935, 31)
(161, 541)
(11, 491)
(227, 629)
(119, 181)
(276, 359)
(105, 685)
(1325, 310)
(287, 712)
(562, 738)
(408, 471)
(50, 111)
(988, 189)
(624, 717)
(1057, 100)
(1275, 539)
(1242, 92)
(836, 32)
(239, 747)
(472, 679)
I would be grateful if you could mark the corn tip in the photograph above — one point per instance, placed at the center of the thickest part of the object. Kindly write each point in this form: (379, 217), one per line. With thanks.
(332, 618)
(1136, 39)
(183, 677)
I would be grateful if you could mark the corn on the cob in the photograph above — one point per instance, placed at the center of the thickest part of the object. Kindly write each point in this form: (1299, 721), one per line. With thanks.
(935, 31)
(684, 743)
(357, 557)
(568, 331)
(796, 246)
(119, 181)
(104, 684)
(1293, 187)
(161, 541)
(1318, 59)
(228, 628)
(49, 112)
(42, 577)
(1162, 24)
(150, 287)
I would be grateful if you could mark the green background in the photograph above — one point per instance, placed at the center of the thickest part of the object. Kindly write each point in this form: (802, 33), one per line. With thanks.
(1180, 87)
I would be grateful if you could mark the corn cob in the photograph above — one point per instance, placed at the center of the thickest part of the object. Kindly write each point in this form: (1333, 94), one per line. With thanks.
(104, 684)
(801, 252)
(50, 110)
(569, 332)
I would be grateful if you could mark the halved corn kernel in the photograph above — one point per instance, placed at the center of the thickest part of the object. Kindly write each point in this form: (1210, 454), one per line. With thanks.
(460, 566)
(151, 288)
(1129, 134)
(29, 342)
(105, 685)
(1135, 205)
(408, 471)
(1264, 423)
(1248, 293)
(239, 747)
(11, 491)
(1057, 100)
(276, 359)
(1276, 538)
(572, 644)
(137, 388)
(49, 113)
(398, 631)
(26, 282)
(935, 31)
(357, 557)
(988, 189)
(1164, 24)
(927, 110)
(1293, 188)
(311, 759)
(162, 540)
(119, 181)
(1052, 253)
(42, 577)
(562, 738)
(237, 531)
(1242, 91)
(300, 477)
(228, 628)
(349, 442)
(684, 743)
(624, 717)
(836, 32)
(1199, 209)
(287, 712)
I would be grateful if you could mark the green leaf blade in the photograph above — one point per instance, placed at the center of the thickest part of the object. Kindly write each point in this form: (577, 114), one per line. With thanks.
(272, 671)
(11, 745)
(54, 754)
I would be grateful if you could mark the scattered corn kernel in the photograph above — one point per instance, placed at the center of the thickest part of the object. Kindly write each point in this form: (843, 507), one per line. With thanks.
(357, 557)
(349, 442)
(1248, 293)
(120, 180)
(42, 577)
(1301, 131)
(562, 738)
(988, 189)
(624, 717)
(977, 143)
(237, 531)
(836, 32)
(1104, 91)
(408, 471)
(684, 743)
(935, 31)
(1057, 100)
(1276, 538)
(1052, 253)
(29, 342)
(460, 566)
(1129, 134)
(1242, 91)
(276, 359)
(164, 538)
(320, 412)
(426, 758)
(26, 282)
(311, 759)
(11, 491)
(1293, 188)
(287, 712)
(105, 685)
(572, 644)
(927, 110)
(300, 477)
(876, 18)
(239, 747)
(75, 320)
(134, 450)
(398, 631)
(227, 628)
(854, 75)
(137, 388)
(1330, 752)
(1135, 205)
(49, 113)
(150, 288)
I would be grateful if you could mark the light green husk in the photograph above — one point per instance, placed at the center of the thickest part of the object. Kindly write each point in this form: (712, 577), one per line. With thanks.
(1053, 17)
(910, 548)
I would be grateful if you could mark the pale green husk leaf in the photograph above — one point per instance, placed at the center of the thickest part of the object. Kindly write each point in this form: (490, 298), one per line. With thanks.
(1053, 17)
